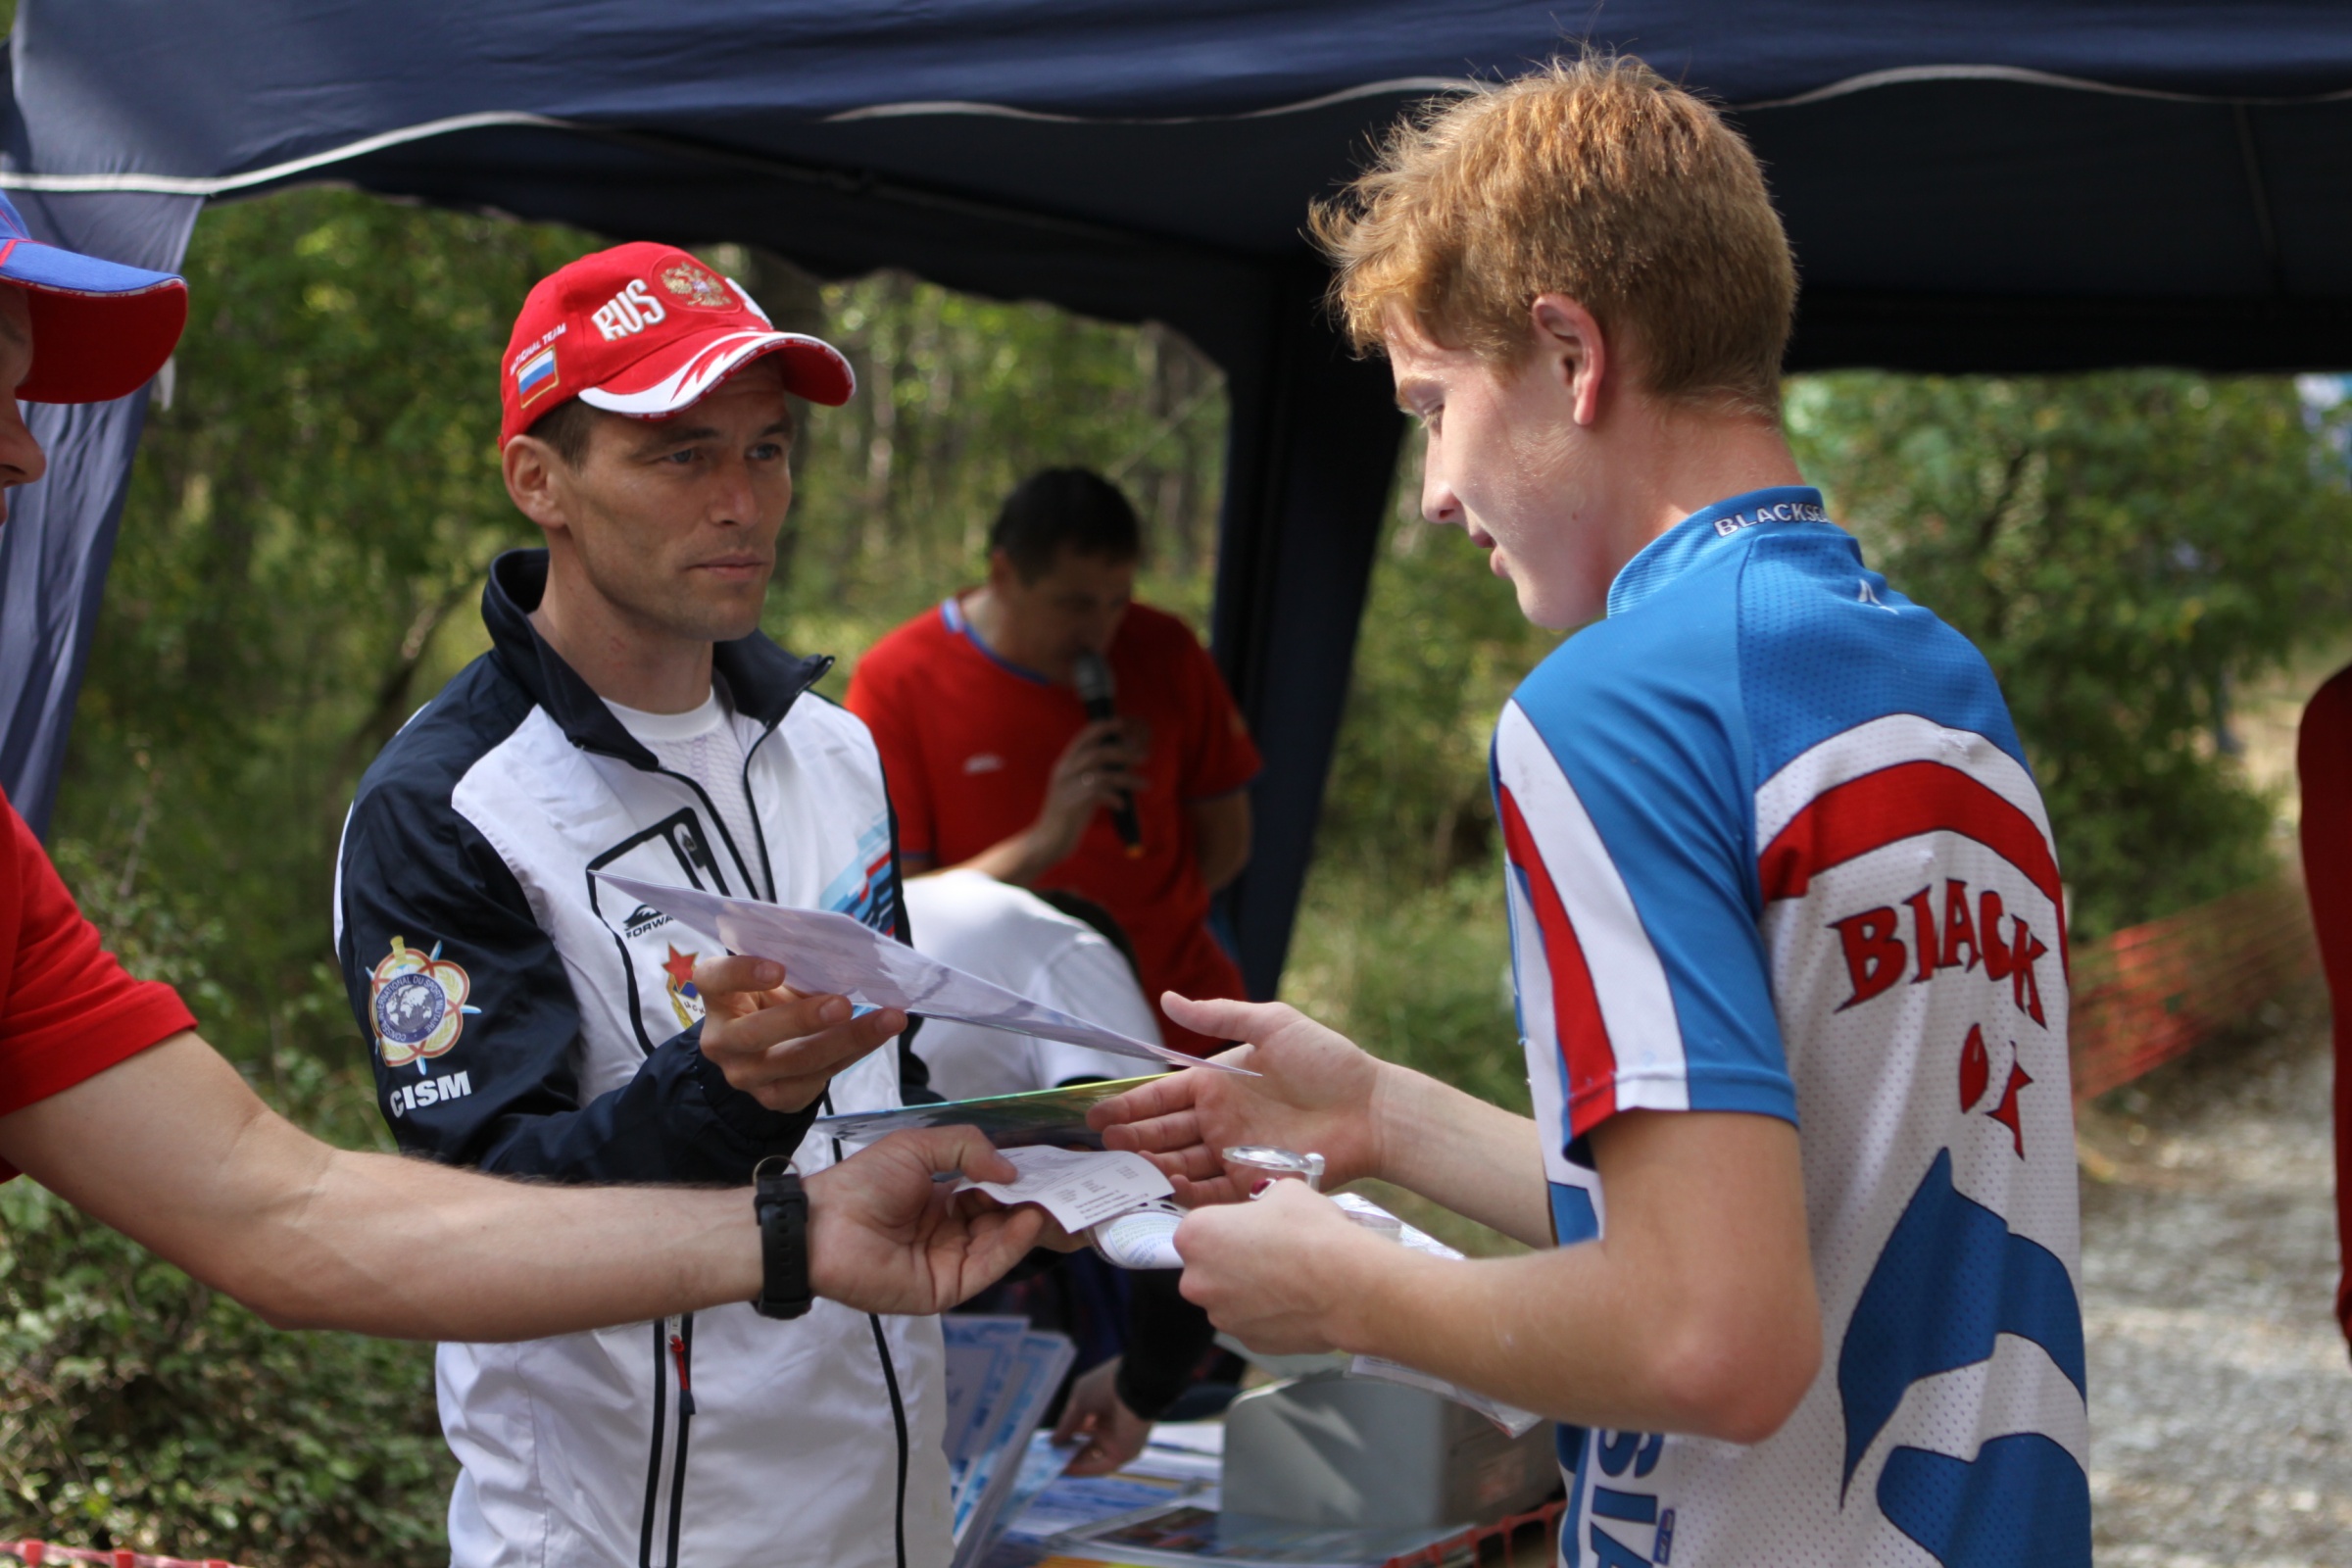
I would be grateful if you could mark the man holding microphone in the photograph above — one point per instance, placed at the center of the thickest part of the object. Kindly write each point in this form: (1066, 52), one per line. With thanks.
(992, 715)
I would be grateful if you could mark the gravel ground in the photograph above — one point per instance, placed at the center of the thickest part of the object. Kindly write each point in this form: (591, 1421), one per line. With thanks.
(2220, 1391)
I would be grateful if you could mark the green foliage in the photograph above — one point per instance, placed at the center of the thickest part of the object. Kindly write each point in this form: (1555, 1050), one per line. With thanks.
(320, 495)
(1442, 645)
(138, 1409)
(1400, 942)
(2123, 547)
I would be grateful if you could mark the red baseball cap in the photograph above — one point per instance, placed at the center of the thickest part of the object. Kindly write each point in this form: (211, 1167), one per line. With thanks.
(100, 329)
(645, 330)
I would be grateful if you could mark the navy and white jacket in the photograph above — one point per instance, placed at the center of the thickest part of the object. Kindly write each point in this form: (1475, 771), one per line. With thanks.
(527, 1022)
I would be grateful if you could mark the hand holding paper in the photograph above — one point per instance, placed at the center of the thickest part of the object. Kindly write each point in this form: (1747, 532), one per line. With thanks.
(1309, 1088)
(781, 1046)
(1079, 1187)
(823, 951)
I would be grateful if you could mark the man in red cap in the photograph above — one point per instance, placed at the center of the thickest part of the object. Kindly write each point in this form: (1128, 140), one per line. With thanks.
(630, 718)
(110, 1098)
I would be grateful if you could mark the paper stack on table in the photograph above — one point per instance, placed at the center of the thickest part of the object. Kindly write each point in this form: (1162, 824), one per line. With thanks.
(823, 951)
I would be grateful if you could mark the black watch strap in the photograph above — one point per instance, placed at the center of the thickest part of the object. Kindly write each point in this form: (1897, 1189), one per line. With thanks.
(782, 1206)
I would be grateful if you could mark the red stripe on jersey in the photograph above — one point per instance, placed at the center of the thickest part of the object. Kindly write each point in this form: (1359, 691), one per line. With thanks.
(1898, 802)
(1581, 1032)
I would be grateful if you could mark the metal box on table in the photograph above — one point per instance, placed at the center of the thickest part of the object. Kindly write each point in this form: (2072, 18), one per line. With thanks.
(1356, 1451)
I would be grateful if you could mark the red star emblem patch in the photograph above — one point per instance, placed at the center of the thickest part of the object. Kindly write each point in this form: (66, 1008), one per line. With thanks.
(680, 970)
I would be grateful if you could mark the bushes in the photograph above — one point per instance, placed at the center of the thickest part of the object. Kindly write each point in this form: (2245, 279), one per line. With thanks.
(2124, 547)
(138, 1409)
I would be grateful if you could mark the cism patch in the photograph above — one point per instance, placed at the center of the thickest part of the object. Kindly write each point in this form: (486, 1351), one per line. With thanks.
(418, 1003)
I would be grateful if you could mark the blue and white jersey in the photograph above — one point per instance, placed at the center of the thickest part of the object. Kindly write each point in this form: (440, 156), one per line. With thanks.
(1773, 847)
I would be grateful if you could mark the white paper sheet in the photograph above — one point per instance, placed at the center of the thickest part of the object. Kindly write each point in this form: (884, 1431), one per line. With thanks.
(1077, 1187)
(825, 951)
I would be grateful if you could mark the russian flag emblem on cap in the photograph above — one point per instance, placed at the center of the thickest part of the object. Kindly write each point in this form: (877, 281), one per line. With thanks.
(535, 375)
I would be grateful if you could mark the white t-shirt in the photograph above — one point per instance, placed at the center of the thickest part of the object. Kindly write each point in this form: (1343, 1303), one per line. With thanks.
(702, 744)
(1010, 936)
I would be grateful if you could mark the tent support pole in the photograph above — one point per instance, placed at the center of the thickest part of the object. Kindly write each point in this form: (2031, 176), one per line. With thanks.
(1312, 455)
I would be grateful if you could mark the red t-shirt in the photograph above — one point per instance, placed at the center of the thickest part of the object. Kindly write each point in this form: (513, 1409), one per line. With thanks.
(968, 743)
(67, 1010)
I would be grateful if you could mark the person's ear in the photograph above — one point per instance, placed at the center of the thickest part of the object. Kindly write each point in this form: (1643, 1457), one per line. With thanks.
(1003, 574)
(1574, 353)
(535, 476)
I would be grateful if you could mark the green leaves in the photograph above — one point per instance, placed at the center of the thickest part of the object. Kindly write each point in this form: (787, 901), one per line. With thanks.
(2124, 547)
(138, 1409)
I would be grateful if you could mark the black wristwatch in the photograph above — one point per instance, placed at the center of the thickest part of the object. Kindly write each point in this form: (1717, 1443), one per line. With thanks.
(783, 1209)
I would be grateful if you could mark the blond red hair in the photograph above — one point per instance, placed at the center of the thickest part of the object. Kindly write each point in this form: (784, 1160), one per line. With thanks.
(1595, 179)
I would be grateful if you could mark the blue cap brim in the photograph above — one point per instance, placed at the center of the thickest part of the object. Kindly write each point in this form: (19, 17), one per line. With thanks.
(37, 266)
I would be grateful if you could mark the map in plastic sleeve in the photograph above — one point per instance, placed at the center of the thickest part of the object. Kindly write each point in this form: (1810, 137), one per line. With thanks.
(1055, 1116)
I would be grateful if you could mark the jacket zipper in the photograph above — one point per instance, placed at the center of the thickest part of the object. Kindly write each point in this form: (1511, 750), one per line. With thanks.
(677, 1353)
(652, 1461)
(682, 1351)
(897, 1401)
(758, 833)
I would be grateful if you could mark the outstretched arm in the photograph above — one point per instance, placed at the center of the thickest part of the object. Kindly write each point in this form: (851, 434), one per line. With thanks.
(1695, 1312)
(172, 1148)
(1320, 1092)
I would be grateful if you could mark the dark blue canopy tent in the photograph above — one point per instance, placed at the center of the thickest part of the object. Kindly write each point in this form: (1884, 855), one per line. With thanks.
(2007, 185)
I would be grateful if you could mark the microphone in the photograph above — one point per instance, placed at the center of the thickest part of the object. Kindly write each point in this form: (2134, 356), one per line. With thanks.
(1096, 689)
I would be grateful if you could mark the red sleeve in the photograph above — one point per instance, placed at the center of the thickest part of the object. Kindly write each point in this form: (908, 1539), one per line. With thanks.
(1222, 758)
(67, 1010)
(880, 701)
(2324, 768)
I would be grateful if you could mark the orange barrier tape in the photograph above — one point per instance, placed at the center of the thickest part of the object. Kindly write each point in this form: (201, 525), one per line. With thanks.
(2152, 992)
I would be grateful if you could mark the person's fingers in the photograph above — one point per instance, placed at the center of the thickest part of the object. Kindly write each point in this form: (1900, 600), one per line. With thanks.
(825, 1049)
(730, 975)
(1166, 1096)
(996, 1241)
(776, 1017)
(1208, 1192)
(1111, 784)
(789, 1076)
(1227, 1019)
(1088, 741)
(1053, 1237)
(1076, 1417)
(1195, 1162)
(957, 1151)
(1176, 1154)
